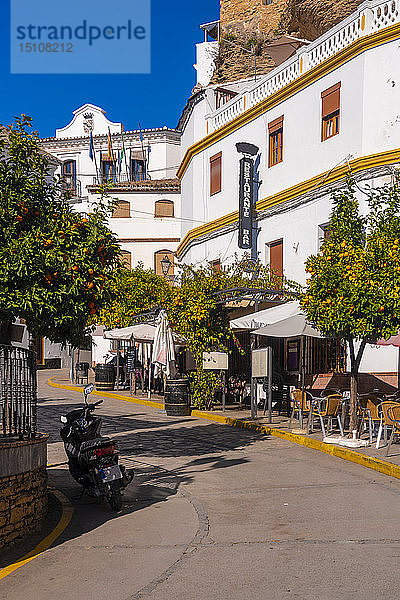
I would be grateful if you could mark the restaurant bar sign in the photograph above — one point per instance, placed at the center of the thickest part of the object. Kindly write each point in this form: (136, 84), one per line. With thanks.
(246, 202)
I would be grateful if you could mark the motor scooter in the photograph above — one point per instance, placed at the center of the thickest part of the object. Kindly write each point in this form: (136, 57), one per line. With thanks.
(93, 459)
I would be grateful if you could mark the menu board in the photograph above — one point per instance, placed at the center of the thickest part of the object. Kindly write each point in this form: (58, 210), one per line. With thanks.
(131, 359)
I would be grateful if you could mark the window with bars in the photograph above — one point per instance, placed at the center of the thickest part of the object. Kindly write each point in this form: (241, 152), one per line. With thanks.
(108, 170)
(163, 208)
(330, 112)
(138, 169)
(216, 173)
(275, 133)
(69, 176)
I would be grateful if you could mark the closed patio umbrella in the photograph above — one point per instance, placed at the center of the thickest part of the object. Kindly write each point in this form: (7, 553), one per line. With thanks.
(163, 356)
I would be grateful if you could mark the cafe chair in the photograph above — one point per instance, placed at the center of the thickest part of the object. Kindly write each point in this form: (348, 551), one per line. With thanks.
(329, 408)
(301, 403)
(393, 414)
(386, 422)
(369, 411)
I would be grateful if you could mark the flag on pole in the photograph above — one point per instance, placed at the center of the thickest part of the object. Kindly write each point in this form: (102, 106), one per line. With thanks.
(91, 147)
(123, 145)
(109, 143)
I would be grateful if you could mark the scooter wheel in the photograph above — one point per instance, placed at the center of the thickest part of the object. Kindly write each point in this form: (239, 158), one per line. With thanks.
(115, 499)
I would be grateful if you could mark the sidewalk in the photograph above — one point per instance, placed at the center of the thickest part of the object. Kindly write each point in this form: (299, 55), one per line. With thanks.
(370, 457)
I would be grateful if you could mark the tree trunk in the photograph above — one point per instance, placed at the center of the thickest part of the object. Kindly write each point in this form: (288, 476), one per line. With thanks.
(353, 399)
(355, 365)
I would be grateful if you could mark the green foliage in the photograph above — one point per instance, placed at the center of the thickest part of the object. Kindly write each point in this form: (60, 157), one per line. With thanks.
(354, 284)
(203, 385)
(53, 261)
(133, 292)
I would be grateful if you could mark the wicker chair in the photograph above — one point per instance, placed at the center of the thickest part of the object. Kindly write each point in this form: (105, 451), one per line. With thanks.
(369, 410)
(301, 404)
(386, 421)
(329, 408)
(393, 414)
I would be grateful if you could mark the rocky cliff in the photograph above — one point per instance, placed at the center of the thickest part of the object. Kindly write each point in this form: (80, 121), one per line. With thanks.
(252, 24)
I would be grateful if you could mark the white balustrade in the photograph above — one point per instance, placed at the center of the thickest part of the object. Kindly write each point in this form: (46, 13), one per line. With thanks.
(371, 16)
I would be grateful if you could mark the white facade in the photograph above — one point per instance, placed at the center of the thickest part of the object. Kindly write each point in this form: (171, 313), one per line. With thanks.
(293, 197)
(155, 151)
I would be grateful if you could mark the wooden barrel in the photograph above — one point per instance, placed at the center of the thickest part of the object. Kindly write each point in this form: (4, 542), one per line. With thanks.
(104, 377)
(177, 398)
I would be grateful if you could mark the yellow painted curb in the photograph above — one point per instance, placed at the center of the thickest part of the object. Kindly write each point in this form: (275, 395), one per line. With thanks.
(376, 464)
(72, 388)
(381, 466)
(62, 524)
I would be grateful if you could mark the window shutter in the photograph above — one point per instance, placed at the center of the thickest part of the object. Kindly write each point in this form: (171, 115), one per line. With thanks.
(216, 174)
(164, 208)
(126, 258)
(122, 210)
(276, 124)
(276, 257)
(331, 100)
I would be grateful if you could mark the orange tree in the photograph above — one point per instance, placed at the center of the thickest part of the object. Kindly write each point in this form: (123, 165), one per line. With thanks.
(195, 313)
(132, 292)
(53, 261)
(354, 282)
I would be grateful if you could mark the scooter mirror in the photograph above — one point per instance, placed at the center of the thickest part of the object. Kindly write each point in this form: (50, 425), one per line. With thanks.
(63, 419)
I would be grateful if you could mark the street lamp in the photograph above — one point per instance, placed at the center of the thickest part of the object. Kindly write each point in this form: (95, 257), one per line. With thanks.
(165, 265)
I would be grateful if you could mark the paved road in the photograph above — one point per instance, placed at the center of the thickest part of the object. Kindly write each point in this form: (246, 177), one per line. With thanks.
(216, 514)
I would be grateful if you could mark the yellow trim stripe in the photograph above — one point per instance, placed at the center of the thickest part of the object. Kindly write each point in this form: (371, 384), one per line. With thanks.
(72, 388)
(66, 516)
(326, 178)
(381, 466)
(358, 47)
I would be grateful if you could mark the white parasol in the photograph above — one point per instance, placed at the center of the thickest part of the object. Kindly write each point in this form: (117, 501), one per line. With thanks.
(163, 348)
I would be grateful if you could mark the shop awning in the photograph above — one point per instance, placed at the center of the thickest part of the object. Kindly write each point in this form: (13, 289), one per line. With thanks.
(266, 317)
(294, 326)
(142, 333)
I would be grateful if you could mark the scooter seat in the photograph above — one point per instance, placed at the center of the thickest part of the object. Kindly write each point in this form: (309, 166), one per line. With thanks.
(94, 444)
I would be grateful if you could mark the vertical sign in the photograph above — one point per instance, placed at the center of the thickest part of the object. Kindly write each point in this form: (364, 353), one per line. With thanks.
(246, 203)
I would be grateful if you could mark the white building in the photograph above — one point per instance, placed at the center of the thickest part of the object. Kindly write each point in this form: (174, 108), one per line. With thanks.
(146, 219)
(142, 181)
(333, 107)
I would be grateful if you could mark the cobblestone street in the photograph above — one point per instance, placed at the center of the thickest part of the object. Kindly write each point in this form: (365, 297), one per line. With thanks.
(214, 512)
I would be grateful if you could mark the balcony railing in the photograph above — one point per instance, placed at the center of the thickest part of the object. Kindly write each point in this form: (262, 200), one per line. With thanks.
(117, 178)
(370, 17)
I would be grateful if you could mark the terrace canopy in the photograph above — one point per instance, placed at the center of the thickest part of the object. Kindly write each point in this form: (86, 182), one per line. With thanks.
(142, 334)
(266, 317)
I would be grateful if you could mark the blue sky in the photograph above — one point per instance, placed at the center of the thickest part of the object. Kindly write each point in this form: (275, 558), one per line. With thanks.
(155, 100)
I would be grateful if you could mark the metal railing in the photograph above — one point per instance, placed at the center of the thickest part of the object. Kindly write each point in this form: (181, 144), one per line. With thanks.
(371, 16)
(117, 178)
(18, 393)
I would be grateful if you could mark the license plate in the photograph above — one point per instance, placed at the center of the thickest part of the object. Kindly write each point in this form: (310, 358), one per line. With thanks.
(111, 473)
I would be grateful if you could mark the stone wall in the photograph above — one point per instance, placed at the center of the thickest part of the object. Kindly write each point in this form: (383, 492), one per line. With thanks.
(23, 488)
